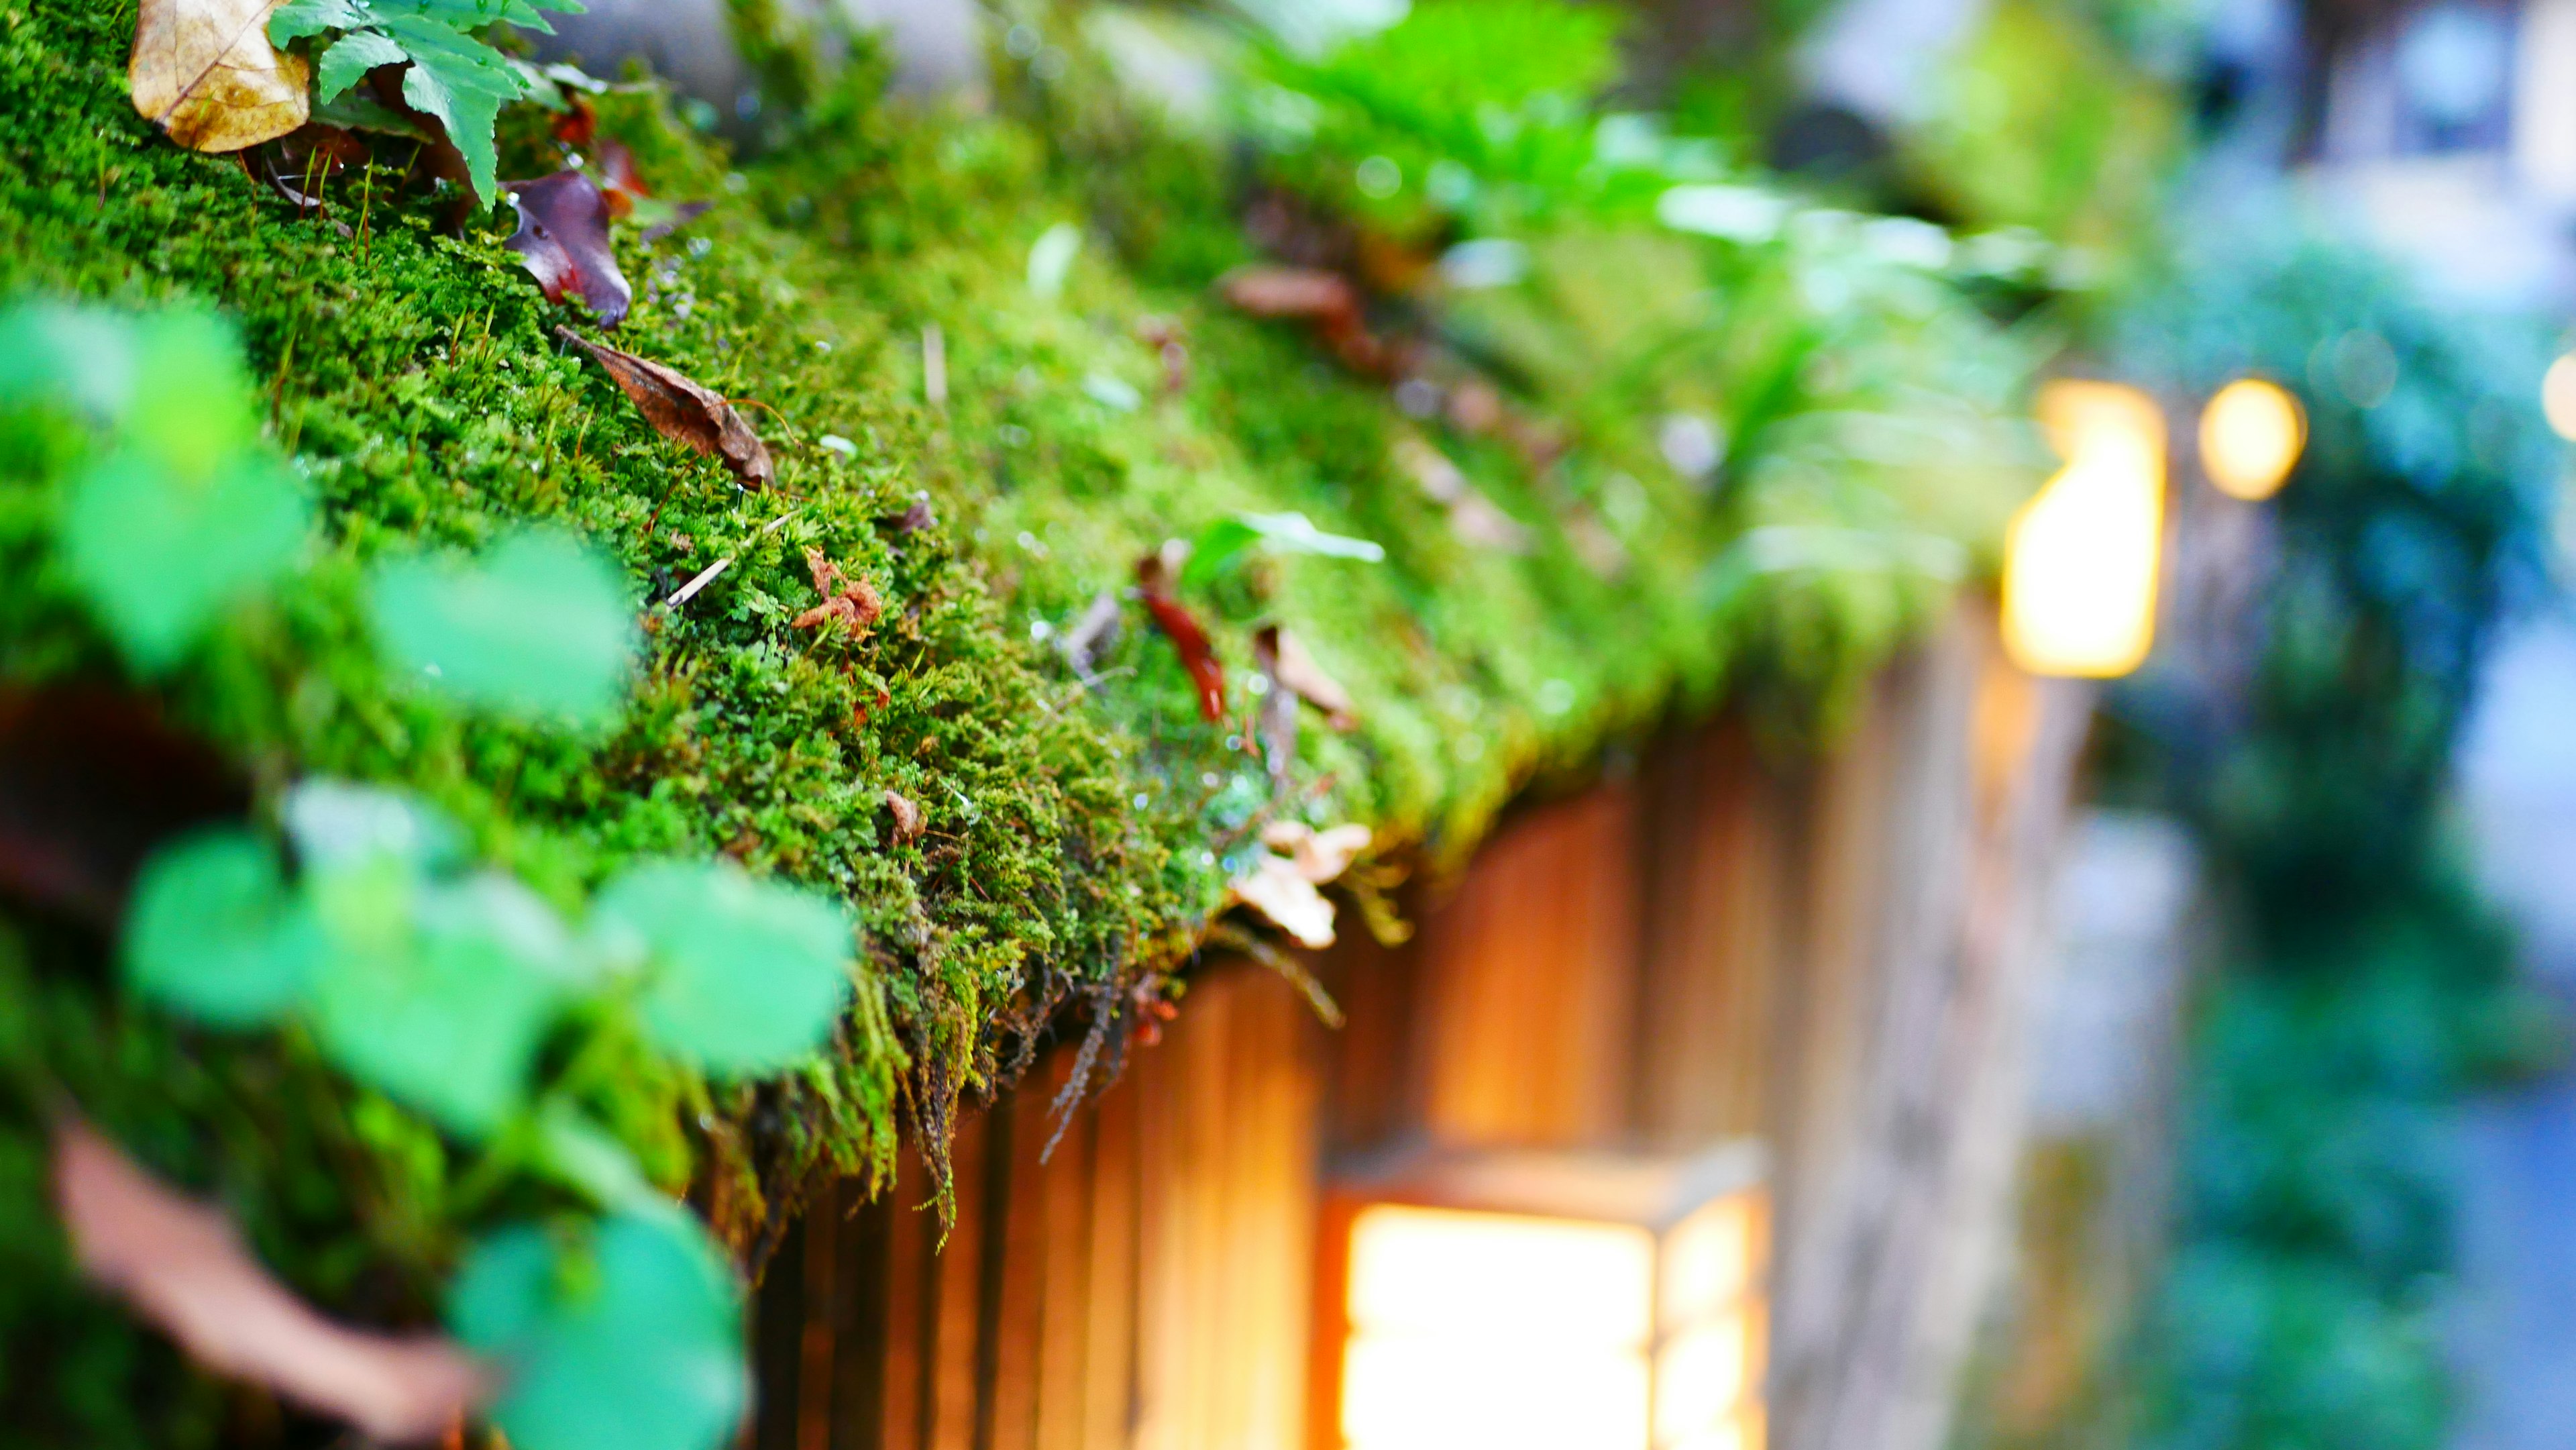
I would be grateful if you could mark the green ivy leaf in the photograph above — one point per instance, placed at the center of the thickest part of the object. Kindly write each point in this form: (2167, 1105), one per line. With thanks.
(740, 976)
(207, 931)
(439, 994)
(541, 627)
(188, 512)
(636, 1344)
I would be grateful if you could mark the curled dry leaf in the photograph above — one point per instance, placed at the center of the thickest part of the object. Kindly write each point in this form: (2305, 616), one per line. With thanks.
(1279, 892)
(1319, 856)
(1198, 654)
(1299, 859)
(853, 602)
(683, 411)
(577, 124)
(183, 1268)
(204, 71)
(563, 242)
(915, 517)
(1284, 658)
(909, 822)
(1324, 300)
(1093, 635)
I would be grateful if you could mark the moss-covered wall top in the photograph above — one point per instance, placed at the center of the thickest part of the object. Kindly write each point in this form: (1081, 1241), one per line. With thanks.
(1664, 437)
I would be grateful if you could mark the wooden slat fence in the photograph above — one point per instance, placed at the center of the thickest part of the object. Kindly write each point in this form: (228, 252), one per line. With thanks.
(1701, 948)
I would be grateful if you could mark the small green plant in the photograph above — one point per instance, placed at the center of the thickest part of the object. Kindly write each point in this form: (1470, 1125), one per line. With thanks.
(452, 75)
(438, 983)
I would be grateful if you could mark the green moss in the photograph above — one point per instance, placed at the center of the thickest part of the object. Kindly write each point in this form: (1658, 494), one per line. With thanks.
(1079, 835)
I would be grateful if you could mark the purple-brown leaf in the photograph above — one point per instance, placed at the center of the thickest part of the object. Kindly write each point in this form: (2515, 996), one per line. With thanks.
(563, 242)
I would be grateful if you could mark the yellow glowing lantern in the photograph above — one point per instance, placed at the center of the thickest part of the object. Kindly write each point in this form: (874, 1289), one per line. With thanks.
(2082, 557)
(1547, 1301)
(2251, 435)
(2558, 397)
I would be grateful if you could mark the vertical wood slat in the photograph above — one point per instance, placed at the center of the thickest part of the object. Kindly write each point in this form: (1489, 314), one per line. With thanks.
(1714, 941)
(1529, 971)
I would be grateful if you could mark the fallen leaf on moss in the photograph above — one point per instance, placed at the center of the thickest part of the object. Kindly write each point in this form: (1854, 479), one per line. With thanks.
(298, 164)
(182, 1266)
(1275, 721)
(912, 520)
(1280, 892)
(853, 602)
(204, 71)
(1198, 654)
(1301, 292)
(908, 820)
(1318, 856)
(683, 411)
(577, 123)
(1286, 659)
(1093, 635)
(629, 199)
(563, 242)
(1324, 300)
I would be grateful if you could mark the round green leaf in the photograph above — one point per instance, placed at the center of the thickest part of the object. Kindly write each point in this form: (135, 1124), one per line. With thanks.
(207, 931)
(158, 552)
(636, 1344)
(439, 995)
(538, 628)
(742, 976)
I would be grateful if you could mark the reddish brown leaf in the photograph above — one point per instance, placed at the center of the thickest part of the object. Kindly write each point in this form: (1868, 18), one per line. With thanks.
(1198, 654)
(1302, 292)
(577, 123)
(853, 602)
(183, 1268)
(1325, 300)
(683, 411)
(563, 242)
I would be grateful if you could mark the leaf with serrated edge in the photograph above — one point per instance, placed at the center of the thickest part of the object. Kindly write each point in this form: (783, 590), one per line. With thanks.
(204, 71)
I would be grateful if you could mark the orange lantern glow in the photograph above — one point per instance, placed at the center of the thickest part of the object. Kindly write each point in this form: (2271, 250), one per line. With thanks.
(2082, 558)
(1548, 1301)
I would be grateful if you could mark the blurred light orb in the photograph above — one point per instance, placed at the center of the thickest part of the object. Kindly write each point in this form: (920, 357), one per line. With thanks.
(2083, 558)
(2558, 397)
(2251, 435)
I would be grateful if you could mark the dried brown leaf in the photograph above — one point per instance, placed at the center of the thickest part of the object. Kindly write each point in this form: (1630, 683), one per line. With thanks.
(1278, 891)
(683, 411)
(1318, 856)
(183, 1268)
(1284, 657)
(909, 822)
(203, 71)
(853, 602)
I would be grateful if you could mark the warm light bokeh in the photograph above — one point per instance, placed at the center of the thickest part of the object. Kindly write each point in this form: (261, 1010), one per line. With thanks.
(2082, 557)
(2251, 435)
(2558, 397)
(1496, 1330)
